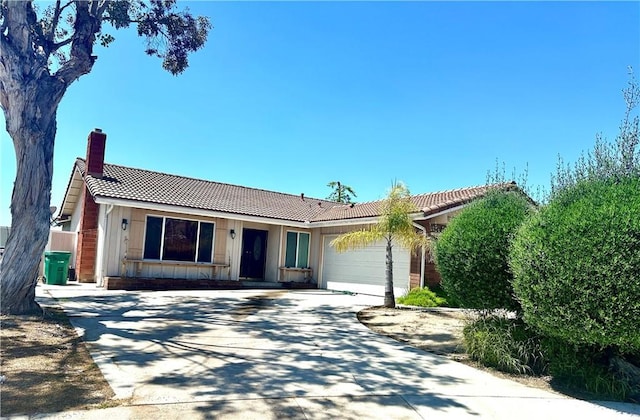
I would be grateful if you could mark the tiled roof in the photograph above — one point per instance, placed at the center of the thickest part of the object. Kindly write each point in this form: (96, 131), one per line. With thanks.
(430, 203)
(120, 182)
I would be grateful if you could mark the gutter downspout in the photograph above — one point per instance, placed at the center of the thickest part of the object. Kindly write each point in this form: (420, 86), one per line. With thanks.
(424, 232)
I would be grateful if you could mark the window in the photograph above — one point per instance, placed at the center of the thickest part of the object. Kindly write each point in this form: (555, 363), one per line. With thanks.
(297, 254)
(172, 239)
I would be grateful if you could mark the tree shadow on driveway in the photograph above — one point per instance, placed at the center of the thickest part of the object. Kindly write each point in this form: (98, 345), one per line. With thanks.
(221, 348)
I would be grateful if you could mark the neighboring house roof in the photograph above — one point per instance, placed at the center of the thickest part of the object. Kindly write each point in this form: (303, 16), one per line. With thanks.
(428, 204)
(138, 185)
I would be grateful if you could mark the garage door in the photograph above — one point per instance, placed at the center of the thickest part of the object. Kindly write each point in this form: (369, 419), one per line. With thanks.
(363, 270)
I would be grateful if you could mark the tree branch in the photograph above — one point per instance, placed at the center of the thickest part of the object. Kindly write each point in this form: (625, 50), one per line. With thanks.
(54, 23)
(81, 59)
(61, 44)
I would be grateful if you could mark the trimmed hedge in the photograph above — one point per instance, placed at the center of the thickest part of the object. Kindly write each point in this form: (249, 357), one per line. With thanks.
(472, 252)
(576, 265)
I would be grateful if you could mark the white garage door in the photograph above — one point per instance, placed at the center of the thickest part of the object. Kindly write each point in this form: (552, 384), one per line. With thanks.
(363, 270)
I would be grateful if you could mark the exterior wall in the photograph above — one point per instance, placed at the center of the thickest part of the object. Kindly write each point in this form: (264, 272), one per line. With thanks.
(272, 268)
(74, 224)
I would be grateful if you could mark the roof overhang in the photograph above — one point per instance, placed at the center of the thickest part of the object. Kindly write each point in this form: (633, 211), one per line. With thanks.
(198, 212)
(72, 194)
(428, 215)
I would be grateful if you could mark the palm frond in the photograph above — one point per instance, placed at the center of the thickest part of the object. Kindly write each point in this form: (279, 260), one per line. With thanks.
(356, 239)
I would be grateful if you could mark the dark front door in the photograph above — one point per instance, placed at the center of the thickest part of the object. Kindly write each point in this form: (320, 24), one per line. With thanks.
(254, 253)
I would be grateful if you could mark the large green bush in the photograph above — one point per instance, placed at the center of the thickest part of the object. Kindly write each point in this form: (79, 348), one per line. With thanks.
(472, 252)
(576, 265)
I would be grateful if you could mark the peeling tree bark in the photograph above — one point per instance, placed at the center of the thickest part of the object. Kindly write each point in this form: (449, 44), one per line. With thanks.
(29, 96)
(31, 123)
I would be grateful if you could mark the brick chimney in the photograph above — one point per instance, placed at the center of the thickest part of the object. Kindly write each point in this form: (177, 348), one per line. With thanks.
(95, 152)
(88, 233)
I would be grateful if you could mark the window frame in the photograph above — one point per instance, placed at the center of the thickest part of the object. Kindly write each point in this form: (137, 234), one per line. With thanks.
(162, 238)
(297, 232)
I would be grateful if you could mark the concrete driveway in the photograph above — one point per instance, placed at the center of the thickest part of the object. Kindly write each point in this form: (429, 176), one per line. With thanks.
(282, 354)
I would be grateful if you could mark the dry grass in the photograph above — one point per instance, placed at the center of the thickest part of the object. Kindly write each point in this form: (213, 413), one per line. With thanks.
(46, 368)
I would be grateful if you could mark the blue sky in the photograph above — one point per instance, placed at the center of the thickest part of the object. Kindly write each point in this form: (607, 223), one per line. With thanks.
(288, 96)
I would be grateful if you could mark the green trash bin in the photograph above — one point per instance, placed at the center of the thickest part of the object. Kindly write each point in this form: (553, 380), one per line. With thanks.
(56, 267)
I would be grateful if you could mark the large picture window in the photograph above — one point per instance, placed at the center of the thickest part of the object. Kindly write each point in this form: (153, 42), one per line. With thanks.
(173, 239)
(297, 254)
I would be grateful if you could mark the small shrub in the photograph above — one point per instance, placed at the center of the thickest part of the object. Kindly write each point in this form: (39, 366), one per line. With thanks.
(505, 344)
(422, 296)
(472, 252)
(583, 369)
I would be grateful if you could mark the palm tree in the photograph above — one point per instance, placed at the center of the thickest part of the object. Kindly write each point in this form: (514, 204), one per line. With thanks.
(341, 193)
(394, 225)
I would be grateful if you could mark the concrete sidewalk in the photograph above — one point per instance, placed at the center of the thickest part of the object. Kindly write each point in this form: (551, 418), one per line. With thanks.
(255, 354)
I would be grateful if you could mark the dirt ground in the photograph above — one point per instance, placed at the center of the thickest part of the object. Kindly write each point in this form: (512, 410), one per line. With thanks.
(45, 367)
(436, 330)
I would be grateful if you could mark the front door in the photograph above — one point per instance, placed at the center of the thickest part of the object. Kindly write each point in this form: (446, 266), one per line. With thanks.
(254, 253)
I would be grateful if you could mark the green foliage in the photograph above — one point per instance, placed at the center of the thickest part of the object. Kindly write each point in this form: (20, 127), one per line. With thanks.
(505, 344)
(580, 370)
(422, 296)
(440, 292)
(341, 193)
(472, 252)
(608, 160)
(577, 264)
(170, 34)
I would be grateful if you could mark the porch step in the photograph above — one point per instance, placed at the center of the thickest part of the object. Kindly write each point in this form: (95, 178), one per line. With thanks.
(277, 285)
(261, 285)
(119, 283)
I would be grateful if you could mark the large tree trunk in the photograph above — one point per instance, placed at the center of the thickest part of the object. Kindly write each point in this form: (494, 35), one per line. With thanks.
(32, 125)
(29, 96)
(389, 297)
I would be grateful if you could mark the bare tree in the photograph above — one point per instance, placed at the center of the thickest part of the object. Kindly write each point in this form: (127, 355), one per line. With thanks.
(42, 52)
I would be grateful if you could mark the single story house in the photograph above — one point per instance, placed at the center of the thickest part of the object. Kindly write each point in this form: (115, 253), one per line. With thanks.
(142, 229)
